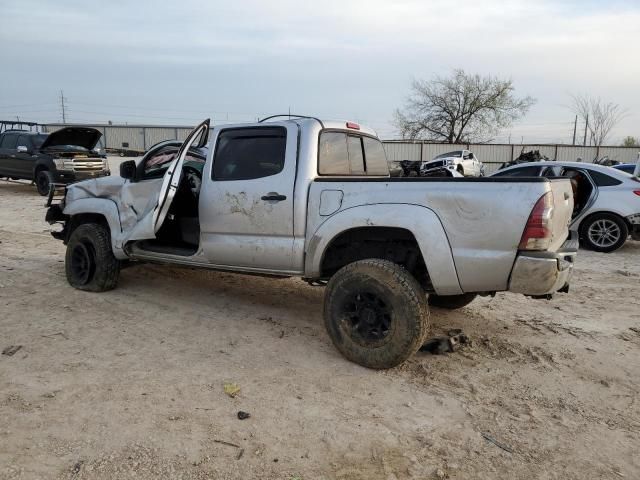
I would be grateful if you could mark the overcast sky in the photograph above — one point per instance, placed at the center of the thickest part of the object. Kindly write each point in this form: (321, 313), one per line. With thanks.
(177, 62)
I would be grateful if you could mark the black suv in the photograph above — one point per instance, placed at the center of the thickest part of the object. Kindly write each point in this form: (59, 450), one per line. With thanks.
(67, 155)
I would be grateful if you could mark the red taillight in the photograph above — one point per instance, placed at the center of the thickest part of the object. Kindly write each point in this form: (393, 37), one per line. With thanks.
(353, 126)
(637, 192)
(537, 232)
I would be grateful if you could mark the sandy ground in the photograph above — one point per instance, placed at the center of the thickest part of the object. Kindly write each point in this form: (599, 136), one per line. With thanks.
(129, 383)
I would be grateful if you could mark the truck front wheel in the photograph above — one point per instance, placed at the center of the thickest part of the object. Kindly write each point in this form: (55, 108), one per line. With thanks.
(89, 262)
(43, 181)
(376, 313)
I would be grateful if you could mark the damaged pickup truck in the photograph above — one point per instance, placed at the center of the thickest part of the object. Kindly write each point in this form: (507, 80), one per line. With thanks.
(313, 199)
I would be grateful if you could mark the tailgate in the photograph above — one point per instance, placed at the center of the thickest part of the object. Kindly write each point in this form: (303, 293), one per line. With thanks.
(562, 211)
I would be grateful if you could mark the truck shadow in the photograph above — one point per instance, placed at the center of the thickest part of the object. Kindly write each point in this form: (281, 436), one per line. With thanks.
(15, 187)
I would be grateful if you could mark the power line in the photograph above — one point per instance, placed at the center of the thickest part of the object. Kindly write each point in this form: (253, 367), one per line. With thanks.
(62, 99)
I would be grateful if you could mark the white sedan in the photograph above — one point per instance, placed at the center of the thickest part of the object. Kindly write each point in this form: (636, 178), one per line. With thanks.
(606, 200)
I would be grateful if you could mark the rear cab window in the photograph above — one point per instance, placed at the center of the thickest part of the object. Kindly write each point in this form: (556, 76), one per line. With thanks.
(342, 153)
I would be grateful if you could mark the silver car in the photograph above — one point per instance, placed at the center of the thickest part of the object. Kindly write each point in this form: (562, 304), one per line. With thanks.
(606, 200)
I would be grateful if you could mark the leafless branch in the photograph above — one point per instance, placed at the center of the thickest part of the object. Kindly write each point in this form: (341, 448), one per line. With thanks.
(460, 108)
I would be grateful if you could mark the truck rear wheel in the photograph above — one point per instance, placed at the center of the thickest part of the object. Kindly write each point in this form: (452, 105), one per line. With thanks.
(451, 301)
(376, 313)
(89, 262)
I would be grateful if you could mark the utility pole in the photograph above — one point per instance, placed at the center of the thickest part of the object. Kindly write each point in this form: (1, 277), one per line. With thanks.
(586, 124)
(62, 99)
(575, 125)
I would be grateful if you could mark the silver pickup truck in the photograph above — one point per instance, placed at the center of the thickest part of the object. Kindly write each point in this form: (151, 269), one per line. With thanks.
(313, 199)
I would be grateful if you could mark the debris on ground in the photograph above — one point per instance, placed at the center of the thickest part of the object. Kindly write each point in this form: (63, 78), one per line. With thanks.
(490, 439)
(11, 350)
(440, 474)
(76, 468)
(231, 389)
(243, 415)
(52, 335)
(229, 444)
(444, 344)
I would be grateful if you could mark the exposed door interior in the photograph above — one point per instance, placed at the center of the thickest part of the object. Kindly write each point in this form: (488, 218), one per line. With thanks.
(582, 187)
(176, 217)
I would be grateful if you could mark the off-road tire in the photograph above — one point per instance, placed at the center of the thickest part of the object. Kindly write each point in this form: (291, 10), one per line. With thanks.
(451, 302)
(604, 219)
(43, 182)
(396, 292)
(89, 246)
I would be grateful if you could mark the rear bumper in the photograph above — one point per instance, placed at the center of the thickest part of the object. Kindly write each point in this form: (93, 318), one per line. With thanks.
(544, 273)
(71, 176)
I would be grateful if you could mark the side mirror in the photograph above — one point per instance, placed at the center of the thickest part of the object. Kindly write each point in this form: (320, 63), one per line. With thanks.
(22, 149)
(128, 170)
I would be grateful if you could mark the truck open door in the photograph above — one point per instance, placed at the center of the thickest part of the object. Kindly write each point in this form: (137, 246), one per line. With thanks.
(156, 212)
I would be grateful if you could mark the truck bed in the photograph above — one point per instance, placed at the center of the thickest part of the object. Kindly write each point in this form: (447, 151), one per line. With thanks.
(483, 218)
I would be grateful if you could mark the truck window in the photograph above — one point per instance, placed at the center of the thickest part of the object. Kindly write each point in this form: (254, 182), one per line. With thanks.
(333, 156)
(375, 158)
(23, 141)
(9, 141)
(356, 158)
(248, 153)
(342, 154)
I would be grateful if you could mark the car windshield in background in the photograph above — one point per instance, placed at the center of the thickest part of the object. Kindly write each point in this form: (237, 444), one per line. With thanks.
(39, 139)
(457, 153)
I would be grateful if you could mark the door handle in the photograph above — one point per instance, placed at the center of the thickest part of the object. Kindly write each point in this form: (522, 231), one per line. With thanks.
(274, 197)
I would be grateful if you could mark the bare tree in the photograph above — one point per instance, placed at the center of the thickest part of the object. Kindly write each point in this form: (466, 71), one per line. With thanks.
(599, 117)
(460, 108)
(630, 141)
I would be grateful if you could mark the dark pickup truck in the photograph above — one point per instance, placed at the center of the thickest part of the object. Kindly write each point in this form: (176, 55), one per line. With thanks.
(65, 156)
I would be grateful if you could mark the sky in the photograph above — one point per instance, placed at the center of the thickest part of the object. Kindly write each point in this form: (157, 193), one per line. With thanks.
(169, 62)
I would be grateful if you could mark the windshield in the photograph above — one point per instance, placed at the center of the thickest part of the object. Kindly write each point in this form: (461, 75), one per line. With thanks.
(457, 153)
(38, 140)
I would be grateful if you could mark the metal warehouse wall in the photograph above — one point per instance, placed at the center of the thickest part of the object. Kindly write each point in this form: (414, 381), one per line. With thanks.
(493, 155)
(141, 137)
(132, 137)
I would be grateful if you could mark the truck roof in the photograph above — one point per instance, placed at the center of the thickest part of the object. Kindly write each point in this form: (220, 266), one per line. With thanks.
(330, 124)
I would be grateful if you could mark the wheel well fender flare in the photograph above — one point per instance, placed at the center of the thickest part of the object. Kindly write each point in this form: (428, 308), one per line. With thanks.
(421, 221)
(104, 208)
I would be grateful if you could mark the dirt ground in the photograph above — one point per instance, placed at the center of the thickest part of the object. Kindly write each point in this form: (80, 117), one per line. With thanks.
(129, 383)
